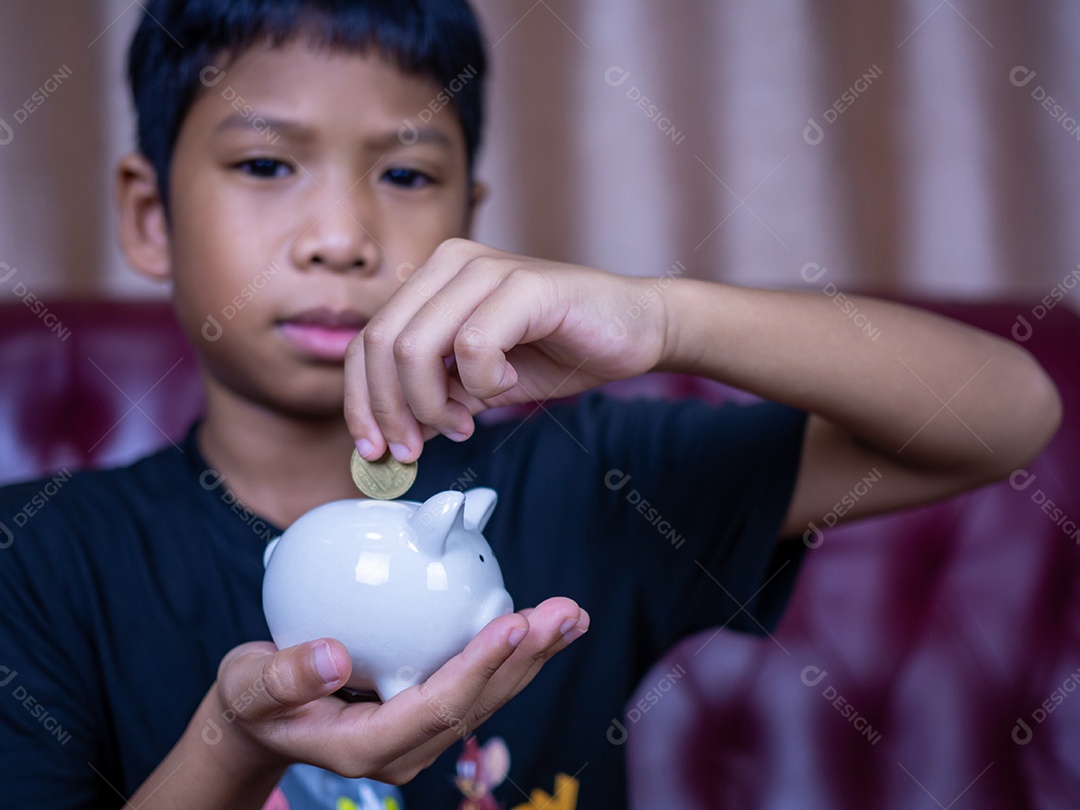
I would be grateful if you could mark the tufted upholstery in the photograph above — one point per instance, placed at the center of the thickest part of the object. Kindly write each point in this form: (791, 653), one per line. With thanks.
(935, 630)
(90, 384)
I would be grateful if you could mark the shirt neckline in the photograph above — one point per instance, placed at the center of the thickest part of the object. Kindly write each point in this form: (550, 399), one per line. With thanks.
(213, 484)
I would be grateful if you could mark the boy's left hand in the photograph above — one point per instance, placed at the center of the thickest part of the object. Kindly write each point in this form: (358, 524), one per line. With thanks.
(519, 330)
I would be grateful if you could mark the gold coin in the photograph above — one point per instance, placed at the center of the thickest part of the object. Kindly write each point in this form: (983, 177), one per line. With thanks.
(385, 479)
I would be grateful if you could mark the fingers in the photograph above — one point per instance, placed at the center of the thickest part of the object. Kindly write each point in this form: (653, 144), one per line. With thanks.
(516, 329)
(392, 423)
(377, 407)
(439, 708)
(485, 675)
(481, 346)
(281, 697)
(430, 336)
(490, 306)
(257, 681)
(553, 626)
(467, 302)
(361, 421)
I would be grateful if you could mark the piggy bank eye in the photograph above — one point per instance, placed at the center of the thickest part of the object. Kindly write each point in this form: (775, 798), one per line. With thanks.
(481, 558)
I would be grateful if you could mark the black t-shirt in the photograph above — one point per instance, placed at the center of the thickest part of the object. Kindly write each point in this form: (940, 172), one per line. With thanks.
(121, 590)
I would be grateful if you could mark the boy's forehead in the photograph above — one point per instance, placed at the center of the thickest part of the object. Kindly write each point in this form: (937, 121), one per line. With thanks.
(303, 83)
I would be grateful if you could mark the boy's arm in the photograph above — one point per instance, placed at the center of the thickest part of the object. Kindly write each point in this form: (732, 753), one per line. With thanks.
(271, 708)
(934, 406)
(927, 406)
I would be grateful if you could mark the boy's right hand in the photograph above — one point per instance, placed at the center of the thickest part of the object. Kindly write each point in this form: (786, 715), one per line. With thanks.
(277, 706)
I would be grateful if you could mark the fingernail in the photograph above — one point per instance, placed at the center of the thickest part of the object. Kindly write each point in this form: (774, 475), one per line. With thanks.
(365, 449)
(399, 451)
(574, 634)
(564, 628)
(457, 437)
(516, 636)
(325, 664)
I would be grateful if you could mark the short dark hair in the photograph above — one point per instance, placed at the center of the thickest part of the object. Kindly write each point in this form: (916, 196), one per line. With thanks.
(177, 39)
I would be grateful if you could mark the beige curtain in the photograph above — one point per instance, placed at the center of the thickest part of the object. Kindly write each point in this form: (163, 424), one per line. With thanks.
(929, 147)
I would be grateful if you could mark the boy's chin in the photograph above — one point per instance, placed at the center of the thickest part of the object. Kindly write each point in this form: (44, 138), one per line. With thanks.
(316, 412)
(318, 406)
(315, 397)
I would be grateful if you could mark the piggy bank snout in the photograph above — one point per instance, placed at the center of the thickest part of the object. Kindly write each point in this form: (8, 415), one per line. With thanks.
(498, 603)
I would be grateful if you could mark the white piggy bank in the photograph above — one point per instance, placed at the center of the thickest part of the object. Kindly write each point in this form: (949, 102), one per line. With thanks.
(403, 585)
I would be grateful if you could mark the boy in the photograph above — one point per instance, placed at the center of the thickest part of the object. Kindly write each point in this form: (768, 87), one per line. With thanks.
(120, 604)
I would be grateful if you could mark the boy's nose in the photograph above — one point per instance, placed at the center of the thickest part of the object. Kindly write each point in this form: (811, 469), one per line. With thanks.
(338, 241)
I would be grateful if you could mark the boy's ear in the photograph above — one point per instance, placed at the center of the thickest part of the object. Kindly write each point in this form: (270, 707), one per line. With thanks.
(477, 194)
(144, 233)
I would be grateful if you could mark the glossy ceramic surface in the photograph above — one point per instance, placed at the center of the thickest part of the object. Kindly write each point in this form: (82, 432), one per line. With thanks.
(403, 585)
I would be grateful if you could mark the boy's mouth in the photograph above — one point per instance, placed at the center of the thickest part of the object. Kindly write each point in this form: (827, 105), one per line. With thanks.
(322, 333)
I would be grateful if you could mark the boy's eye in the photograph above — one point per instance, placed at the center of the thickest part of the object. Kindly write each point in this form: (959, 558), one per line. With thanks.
(406, 178)
(264, 167)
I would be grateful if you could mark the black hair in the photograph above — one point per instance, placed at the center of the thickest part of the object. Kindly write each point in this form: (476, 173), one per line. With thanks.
(178, 39)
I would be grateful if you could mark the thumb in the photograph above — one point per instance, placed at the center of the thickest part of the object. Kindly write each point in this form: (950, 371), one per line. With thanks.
(256, 680)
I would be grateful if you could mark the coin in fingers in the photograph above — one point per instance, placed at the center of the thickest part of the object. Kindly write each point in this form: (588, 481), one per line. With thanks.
(385, 479)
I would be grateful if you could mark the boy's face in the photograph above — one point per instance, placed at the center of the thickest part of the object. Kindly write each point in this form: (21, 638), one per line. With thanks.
(297, 210)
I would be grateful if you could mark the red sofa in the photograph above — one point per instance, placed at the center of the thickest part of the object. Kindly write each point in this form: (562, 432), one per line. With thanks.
(928, 659)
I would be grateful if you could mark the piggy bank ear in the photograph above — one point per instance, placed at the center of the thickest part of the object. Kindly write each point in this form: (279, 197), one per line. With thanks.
(479, 504)
(436, 520)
